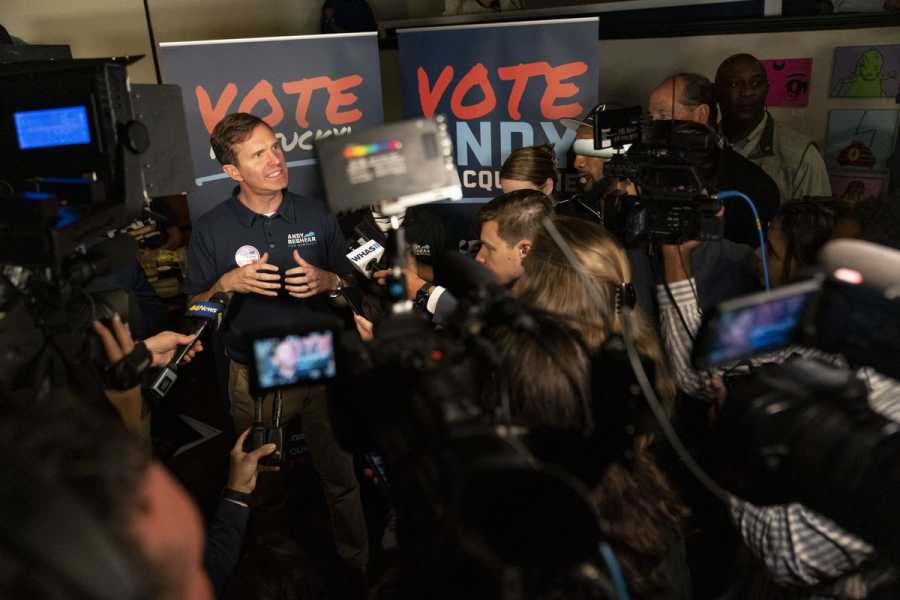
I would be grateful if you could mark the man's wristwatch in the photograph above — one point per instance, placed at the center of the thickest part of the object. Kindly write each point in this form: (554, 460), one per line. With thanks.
(337, 290)
(421, 300)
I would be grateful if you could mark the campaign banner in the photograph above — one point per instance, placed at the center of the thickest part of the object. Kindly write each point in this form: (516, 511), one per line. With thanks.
(305, 87)
(501, 87)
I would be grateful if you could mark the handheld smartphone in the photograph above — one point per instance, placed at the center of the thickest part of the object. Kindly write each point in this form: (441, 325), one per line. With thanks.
(744, 327)
(285, 360)
(353, 296)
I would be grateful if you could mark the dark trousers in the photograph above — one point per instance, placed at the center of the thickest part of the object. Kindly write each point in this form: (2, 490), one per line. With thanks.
(331, 461)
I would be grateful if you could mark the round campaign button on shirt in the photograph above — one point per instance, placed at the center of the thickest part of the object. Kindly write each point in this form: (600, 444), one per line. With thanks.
(246, 255)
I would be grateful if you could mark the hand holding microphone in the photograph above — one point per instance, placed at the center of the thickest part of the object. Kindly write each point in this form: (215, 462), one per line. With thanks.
(118, 343)
(210, 314)
(129, 360)
(163, 345)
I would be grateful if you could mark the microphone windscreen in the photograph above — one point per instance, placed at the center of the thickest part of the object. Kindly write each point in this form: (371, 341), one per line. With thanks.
(856, 261)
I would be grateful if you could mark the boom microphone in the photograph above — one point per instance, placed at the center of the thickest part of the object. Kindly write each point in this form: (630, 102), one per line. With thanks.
(212, 311)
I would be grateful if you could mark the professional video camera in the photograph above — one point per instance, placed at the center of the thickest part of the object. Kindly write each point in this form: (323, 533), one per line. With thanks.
(672, 166)
(805, 431)
(79, 164)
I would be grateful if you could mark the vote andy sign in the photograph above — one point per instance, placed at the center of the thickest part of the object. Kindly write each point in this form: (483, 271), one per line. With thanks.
(501, 87)
(304, 87)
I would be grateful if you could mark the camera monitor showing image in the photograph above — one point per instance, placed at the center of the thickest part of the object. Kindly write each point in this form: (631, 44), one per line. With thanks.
(284, 361)
(752, 325)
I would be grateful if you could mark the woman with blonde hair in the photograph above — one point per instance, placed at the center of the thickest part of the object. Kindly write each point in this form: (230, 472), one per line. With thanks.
(551, 283)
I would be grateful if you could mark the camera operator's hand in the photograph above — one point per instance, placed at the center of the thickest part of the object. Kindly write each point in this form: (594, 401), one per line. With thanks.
(364, 327)
(118, 342)
(306, 280)
(256, 278)
(677, 260)
(163, 345)
(128, 403)
(245, 465)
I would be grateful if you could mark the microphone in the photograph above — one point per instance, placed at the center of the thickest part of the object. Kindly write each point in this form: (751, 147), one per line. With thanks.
(858, 313)
(462, 274)
(366, 256)
(212, 311)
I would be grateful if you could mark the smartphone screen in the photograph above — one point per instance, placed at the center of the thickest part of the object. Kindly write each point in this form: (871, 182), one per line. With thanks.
(284, 361)
(753, 325)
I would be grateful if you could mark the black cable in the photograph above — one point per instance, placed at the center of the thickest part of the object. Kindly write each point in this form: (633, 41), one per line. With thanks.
(152, 42)
(640, 374)
(650, 395)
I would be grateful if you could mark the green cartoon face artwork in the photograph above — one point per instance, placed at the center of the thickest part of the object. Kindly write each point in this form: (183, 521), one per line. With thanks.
(866, 80)
(869, 65)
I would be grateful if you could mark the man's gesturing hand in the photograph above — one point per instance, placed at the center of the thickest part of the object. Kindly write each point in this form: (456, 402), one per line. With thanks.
(306, 280)
(256, 278)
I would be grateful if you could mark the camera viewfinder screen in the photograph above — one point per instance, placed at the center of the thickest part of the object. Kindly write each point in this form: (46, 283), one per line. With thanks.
(283, 361)
(52, 127)
(751, 330)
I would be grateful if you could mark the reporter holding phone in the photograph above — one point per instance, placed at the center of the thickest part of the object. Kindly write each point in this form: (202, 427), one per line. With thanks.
(281, 256)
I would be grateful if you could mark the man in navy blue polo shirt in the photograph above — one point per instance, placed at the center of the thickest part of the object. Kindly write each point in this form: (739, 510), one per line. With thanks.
(279, 255)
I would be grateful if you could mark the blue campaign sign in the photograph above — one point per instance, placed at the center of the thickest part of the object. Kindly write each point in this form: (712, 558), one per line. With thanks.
(304, 87)
(501, 87)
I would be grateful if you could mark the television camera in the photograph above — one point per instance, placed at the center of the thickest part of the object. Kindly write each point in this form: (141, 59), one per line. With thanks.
(84, 152)
(658, 179)
(808, 431)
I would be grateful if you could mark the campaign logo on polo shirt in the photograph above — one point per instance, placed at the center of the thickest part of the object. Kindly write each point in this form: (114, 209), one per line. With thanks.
(421, 249)
(300, 240)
